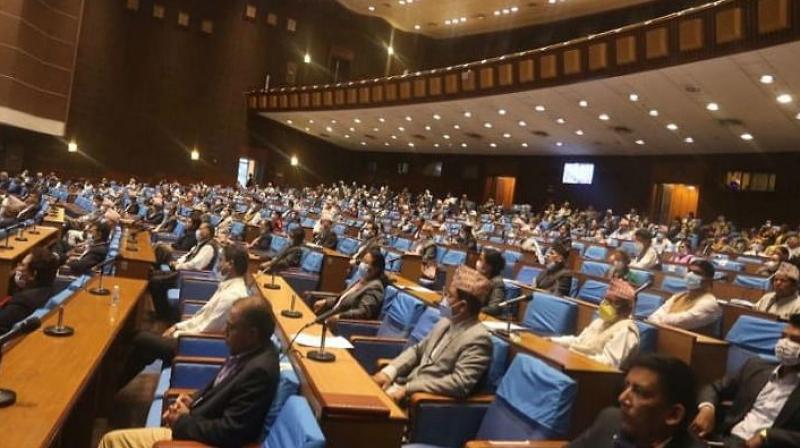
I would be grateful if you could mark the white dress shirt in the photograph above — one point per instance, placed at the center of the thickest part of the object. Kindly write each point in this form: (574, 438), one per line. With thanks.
(610, 344)
(768, 404)
(199, 261)
(704, 311)
(211, 318)
(648, 260)
(782, 307)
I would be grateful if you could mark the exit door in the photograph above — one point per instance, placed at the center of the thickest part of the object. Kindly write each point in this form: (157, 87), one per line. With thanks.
(501, 189)
(674, 200)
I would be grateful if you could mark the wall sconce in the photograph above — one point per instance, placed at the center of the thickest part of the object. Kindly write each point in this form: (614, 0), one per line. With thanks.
(195, 154)
(294, 161)
(72, 147)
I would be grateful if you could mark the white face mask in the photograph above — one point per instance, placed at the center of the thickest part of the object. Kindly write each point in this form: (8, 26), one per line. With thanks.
(197, 235)
(693, 281)
(787, 352)
(20, 280)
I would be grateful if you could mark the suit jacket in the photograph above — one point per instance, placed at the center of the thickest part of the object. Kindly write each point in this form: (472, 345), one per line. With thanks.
(21, 305)
(557, 281)
(327, 239)
(186, 242)
(497, 295)
(605, 429)
(96, 255)
(364, 302)
(743, 388)
(232, 413)
(455, 369)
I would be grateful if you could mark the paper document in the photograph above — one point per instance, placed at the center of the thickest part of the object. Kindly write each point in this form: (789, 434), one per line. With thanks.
(310, 340)
(495, 325)
(417, 289)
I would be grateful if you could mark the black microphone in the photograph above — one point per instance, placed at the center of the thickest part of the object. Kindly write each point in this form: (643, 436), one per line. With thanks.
(9, 397)
(101, 268)
(644, 286)
(8, 230)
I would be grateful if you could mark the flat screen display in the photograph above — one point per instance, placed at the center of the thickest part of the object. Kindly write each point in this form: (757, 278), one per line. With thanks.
(578, 173)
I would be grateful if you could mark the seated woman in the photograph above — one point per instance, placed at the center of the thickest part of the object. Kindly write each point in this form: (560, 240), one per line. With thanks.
(290, 256)
(362, 300)
(613, 337)
(695, 309)
(426, 247)
(556, 278)
(777, 255)
(33, 283)
(682, 253)
(491, 264)
(620, 266)
(648, 256)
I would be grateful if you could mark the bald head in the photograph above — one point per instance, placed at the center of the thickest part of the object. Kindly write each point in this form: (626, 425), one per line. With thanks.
(250, 324)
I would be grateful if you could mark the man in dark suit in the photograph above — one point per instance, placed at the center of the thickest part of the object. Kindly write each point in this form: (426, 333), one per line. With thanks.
(230, 411)
(655, 409)
(766, 399)
(95, 250)
(33, 279)
(556, 277)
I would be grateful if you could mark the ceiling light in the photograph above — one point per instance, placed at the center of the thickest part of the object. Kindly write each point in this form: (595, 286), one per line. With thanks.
(455, 126)
(640, 142)
(328, 129)
(352, 129)
(307, 58)
(767, 79)
(672, 127)
(447, 22)
(437, 117)
(363, 143)
(501, 111)
(560, 120)
(583, 103)
(463, 145)
(604, 117)
(289, 122)
(333, 121)
(382, 120)
(73, 147)
(375, 129)
(559, 144)
(514, 9)
(506, 135)
(522, 123)
(524, 145)
(435, 145)
(394, 137)
(493, 145)
(408, 118)
(784, 98)
(401, 129)
(385, 143)
(427, 128)
(797, 116)
(467, 114)
(417, 27)
(653, 113)
(310, 121)
(462, 19)
(579, 132)
(296, 162)
(487, 125)
(446, 137)
(307, 128)
(497, 13)
(540, 108)
(357, 120)
(688, 140)
(371, 8)
(633, 97)
(746, 136)
(346, 135)
(713, 107)
(505, 11)
(410, 144)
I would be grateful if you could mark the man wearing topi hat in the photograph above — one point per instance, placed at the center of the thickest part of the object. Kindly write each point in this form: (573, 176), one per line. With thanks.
(783, 301)
(453, 358)
(613, 337)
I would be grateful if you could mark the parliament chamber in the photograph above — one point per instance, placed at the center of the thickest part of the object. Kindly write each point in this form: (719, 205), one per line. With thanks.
(405, 223)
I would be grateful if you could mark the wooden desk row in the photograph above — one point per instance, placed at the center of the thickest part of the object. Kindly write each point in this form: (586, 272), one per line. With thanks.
(352, 410)
(136, 254)
(9, 258)
(62, 382)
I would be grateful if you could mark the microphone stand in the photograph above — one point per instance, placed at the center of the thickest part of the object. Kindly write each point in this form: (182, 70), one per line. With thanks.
(34, 231)
(21, 235)
(7, 246)
(59, 330)
(291, 313)
(321, 355)
(99, 290)
(273, 285)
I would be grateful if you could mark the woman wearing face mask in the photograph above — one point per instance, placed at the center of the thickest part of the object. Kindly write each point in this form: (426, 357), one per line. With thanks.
(695, 309)
(490, 264)
(778, 255)
(33, 286)
(362, 300)
(647, 257)
(620, 269)
(556, 278)
(613, 337)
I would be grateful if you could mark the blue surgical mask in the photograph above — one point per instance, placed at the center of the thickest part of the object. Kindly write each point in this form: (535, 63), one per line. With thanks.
(693, 281)
(445, 310)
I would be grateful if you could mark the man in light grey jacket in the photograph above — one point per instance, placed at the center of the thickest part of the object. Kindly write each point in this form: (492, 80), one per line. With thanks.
(455, 355)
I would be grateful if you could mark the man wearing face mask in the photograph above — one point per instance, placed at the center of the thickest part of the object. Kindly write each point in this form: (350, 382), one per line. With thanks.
(778, 255)
(695, 309)
(766, 399)
(147, 347)
(613, 337)
(455, 355)
(362, 300)
(556, 278)
(326, 236)
(661, 243)
(784, 300)
(370, 239)
(620, 269)
(33, 283)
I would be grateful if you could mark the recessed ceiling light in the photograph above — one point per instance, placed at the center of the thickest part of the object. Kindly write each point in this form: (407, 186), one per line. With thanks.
(713, 107)
(375, 129)
(417, 27)
(559, 144)
(784, 98)
(540, 108)
(352, 129)
(797, 116)
(427, 128)
(447, 22)
(487, 125)
(401, 129)
(497, 13)
(463, 145)
(328, 129)
(561, 121)
(333, 121)
(307, 129)
(371, 8)
(524, 145)
(493, 145)
(310, 121)
(411, 144)
(767, 79)
(467, 114)
(640, 142)
(583, 103)
(672, 127)
(501, 111)
(346, 135)
(394, 137)
(363, 143)
(522, 123)
(506, 135)
(435, 145)
(446, 137)
(579, 132)
(437, 117)
(653, 112)
(408, 118)
(604, 117)
(455, 126)
(385, 143)
(382, 120)
(514, 9)
(633, 97)
(688, 140)
(289, 122)
(746, 136)
(357, 120)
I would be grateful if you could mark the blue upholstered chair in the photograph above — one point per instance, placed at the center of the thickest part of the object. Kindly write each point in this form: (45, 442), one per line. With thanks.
(592, 291)
(751, 336)
(295, 427)
(548, 315)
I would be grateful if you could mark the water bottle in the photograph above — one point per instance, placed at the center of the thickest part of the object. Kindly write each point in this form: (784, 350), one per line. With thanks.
(115, 295)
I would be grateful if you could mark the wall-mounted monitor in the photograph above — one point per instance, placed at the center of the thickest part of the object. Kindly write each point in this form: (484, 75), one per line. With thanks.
(578, 173)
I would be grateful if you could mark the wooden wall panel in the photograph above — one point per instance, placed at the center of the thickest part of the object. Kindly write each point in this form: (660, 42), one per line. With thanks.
(548, 68)
(505, 74)
(405, 90)
(657, 43)
(527, 71)
(435, 86)
(451, 83)
(729, 26)
(598, 56)
(572, 61)
(419, 88)
(626, 50)
(487, 77)
(377, 93)
(691, 35)
(391, 91)
(773, 15)
(468, 80)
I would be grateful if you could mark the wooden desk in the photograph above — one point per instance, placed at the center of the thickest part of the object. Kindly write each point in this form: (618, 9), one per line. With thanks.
(10, 257)
(54, 217)
(135, 260)
(730, 313)
(335, 267)
(58, 380)
(430, 297)
(352, 410)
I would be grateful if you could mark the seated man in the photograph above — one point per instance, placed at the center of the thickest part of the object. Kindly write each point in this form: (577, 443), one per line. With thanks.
(491, 264)
(362, 300)
(290, 256)
(556, 278)
(783, 301)
(455, 355)
(696, 308)
(766, 399)
(655, 408)
(33, 280)
(95, 250)
(326, 237)
(231, 410)
(613, 337)
(147, 347)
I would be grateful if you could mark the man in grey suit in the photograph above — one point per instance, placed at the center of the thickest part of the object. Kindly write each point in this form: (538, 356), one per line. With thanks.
(455, 355)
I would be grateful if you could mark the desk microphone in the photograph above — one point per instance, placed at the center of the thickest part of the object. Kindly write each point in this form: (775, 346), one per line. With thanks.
(273, 285)
(292, 313)
(21, 235)
(9, 397)
(59, 330)
(509, 302)
(8, 230)
(318, 355)
(99, 290)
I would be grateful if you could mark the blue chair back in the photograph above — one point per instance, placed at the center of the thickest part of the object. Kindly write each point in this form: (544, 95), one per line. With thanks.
(192, 375)
(424, 324)
(592, 291)
(673, 284)
(347, 246)
(753, 282)
(401, 315)
(311, 261)
(595, 268)
(751, 336)
(629, 247)
(648, 337)
(728, 265)
(527, 274)
(498, 365)
(288, 386)
(402, 244)
(597, 253)
(237, 229)
(677, 269)
(278, 243)
(534, 402)
(646, 304)
(295, 427)
(453, 257)
(548, 315)
(580, 247)
(389, 294)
